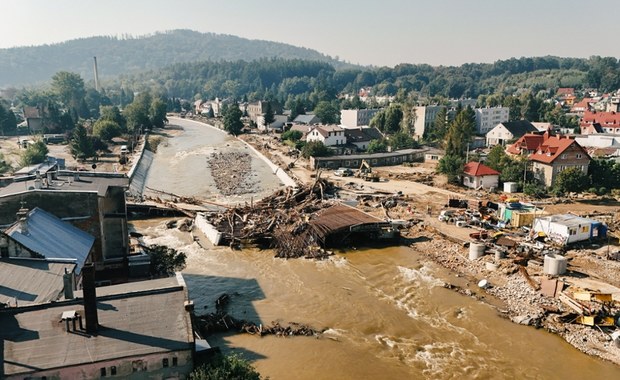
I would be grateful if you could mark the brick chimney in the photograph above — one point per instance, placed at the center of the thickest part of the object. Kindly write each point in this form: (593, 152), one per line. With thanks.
(90, 298)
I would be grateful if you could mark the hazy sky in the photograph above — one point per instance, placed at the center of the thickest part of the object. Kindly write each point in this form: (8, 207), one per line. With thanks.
(380, 32)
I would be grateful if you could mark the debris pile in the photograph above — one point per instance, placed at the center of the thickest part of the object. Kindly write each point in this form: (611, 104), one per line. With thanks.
(232, 172)
(279, 221)
(221, 321)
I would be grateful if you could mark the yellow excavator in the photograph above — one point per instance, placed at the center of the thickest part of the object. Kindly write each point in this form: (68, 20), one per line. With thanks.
(365, 172)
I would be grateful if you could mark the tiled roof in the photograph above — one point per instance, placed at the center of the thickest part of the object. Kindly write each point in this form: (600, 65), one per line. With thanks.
(477, 169)
(603, 118)
(552, 148)
(528, 142)
(519, 127)
(52, 238)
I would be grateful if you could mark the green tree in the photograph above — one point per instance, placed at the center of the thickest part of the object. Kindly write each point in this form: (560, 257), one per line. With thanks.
(315, 149)
(112, 113)
(34, 154)
(440, 127)
(157, 113)
(4, 165)
(165, 260)
(571, 180)
(327, 112)
(402, 140)
(534, 188)
(8, 122)
(377, 146)
(268, 116)
(81, 145)
(106, 129)
(224, 368)
(232, 119)
(496, 158)
(460, 132)
(70, 90)
(292, 135)
(452, 167)
(604, 173)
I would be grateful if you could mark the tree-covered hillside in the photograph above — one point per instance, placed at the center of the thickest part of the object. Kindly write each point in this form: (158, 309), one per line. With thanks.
(36, 64)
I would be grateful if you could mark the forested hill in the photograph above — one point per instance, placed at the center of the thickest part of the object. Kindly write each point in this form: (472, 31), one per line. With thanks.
(36, 64)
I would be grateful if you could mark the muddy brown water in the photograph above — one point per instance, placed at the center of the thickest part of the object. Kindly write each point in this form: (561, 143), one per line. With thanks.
(386, 314)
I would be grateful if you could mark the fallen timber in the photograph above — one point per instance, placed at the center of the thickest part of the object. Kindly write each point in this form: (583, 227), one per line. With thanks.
(298, 223)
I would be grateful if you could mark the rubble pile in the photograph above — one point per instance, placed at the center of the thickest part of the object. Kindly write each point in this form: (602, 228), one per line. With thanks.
(232, 172)
(279, 221)
(221, 321)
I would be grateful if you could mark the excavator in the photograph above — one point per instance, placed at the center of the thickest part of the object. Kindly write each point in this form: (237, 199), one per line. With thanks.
(365, 172)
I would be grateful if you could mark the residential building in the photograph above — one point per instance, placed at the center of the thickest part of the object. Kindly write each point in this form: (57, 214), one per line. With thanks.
(556, 154)
(136, 330)
(356, 118)
(526, 144)
(329, 135)
(507, 131)
(477, 175)
(487, 118)
(609, 122)
(36, 119)
(424, 119)
(276, 125)
(361, 137)
(308, 119)
(568, 228)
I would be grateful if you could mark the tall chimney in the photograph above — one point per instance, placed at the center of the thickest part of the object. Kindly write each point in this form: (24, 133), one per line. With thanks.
(67, 280)
(96, 75)
(90, 298)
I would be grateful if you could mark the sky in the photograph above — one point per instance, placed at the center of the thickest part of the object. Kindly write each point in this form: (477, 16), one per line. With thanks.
(380, 33)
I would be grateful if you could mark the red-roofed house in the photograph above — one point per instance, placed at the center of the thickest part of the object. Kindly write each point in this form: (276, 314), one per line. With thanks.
(581, 107)
(556, 154)
(477, 175)
(526, 144)
(609, 122)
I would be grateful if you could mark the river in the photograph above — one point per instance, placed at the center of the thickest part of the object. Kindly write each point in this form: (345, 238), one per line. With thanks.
(387, 315)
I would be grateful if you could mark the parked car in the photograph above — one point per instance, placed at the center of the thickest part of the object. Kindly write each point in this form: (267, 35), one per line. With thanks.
(343, 172)
(446, 215)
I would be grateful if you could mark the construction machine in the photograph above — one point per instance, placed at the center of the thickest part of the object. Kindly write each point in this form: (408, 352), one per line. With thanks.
(365, 172)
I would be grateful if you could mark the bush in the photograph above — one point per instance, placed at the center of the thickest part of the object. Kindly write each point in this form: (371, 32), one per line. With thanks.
(593, 190)
(165, 261)
(292, 135)
(534, 189)
(315, 149)
(602, 190)
(226, 367)
(34, 153)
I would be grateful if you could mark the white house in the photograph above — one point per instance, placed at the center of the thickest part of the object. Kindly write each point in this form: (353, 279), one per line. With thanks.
(487, 118)
(277, 125)
(509, 130)
(330, 135)
(477, 175)
(569, 228)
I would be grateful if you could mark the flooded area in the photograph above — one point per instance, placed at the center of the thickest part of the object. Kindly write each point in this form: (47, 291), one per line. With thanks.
(386, 312)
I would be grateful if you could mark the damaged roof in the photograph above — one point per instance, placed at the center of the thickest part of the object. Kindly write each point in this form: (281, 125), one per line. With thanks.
(340, 217)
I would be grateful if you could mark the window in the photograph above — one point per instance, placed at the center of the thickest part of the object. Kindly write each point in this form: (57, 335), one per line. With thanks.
(103, 372)
(113, 370)
(579, 155)
(164, 362)
(4, 251)
(175, 361)
(563, 155)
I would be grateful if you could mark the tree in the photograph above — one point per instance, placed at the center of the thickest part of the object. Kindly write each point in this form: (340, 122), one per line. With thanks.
(440, 127)
(496, 158)
(327, 112)
(226, 367)
(81, 144)
(8, 122)
(293, 135)
(106, 129)
(69, 87)
(571, 180)
(4, 166)
(165, 260)
(112, 113)
(376, 146)
(35, 153)
(315, 149)
(534, 188)
(232, 119)
(268, 116)
(460, 132)
(402, 140)
(452, 166)
(157, 113)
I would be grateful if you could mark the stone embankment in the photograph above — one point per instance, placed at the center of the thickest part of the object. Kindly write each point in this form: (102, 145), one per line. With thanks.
(232, 173)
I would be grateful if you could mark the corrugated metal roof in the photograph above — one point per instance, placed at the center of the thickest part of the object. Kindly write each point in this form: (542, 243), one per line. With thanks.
(31, 281)
(52, 237)
(130, 326)
(336, 218)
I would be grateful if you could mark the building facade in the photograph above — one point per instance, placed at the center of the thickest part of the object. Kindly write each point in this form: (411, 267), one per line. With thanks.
(488, 118)
(424, 119)
(356, 118)
(329, 135)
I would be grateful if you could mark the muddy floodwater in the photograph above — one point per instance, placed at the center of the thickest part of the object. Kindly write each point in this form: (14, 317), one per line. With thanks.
(386, 313)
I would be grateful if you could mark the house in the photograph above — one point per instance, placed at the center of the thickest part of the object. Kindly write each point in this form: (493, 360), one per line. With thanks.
(277, 125)
(487, 118)
(92, 202)
(135, 330)
(308, 119)
(609, 122)
(35, 119)
(356, 118)
(477, 175)
(526, 144)
(582, 106)
(556, 154)
(508, 131)
(361, 137)
(568, 228)
(39, 234)
(433, 155)
(329, 135)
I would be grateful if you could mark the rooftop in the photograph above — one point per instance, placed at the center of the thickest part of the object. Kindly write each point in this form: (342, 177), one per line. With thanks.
(371, 156)
(66, 181)
(32, 281)
(569, 220)
(477, 169)
(134, 324)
